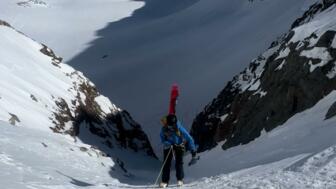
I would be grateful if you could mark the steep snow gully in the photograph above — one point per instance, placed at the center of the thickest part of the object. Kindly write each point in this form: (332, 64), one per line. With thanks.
(134, 61)
(198, 44)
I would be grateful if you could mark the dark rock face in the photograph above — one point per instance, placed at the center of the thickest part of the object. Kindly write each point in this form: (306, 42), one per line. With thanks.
(14, 119)
(3, 23)
(331, 112)
(283, 81)
(114, 129)
(55, 59)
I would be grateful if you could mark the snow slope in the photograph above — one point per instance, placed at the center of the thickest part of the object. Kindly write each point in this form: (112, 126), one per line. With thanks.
(40, 93)
(33, 80)
(305, 133)
(35, 159)
(299, 154)
(199, 46)
(66, 26)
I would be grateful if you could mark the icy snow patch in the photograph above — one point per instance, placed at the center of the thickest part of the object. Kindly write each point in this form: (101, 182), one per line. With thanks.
(223, 117)
(284, 53)
(333, 45)
(255, 86)
(261, 93)
(301, 44)
(281, 65)
(317, 53)
(105, 105)
(332, 73)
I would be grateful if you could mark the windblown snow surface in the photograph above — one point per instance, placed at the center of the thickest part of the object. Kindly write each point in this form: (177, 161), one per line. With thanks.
(299, 154)
(67, 26)
(36, 159)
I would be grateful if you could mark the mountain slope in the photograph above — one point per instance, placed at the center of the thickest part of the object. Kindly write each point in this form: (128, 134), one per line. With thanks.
(294, 74)
(306, 133)
(40, 92)
(31, 158)
(53, 22)
(199, 46)
(27, 156)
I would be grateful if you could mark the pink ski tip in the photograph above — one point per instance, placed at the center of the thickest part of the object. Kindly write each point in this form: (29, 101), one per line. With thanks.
(175, 86)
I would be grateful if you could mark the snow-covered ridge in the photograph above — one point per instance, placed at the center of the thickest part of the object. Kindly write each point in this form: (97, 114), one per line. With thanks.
(37, 90)
(54, 21)
(291, 76)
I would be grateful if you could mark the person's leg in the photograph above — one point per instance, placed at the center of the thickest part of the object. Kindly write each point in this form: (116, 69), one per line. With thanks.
(179, 152)
(166, 167)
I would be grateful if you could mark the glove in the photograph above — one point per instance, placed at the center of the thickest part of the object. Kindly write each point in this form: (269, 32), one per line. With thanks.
(193, 154)
(193, 160)
(180, 147)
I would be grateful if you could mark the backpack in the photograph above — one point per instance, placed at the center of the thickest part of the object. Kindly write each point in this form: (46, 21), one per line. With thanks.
(178, 133)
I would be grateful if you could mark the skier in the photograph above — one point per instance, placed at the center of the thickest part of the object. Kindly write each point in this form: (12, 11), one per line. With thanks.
(176, 140)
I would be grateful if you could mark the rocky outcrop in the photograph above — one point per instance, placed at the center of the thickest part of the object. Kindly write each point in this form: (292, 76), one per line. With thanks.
(3, 23)
(13, 119)
(30, 3)
(332, 111)
(114, 127)
(55, 59)
(42, 92)
(294, 74)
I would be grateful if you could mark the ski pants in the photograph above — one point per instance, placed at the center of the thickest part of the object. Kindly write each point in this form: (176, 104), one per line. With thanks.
(178, 153)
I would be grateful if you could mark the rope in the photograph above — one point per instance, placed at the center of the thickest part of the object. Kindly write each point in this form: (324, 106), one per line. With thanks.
(174, 155)
(164, 163)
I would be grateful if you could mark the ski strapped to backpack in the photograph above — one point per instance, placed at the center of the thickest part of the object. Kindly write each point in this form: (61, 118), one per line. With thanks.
(174, 93)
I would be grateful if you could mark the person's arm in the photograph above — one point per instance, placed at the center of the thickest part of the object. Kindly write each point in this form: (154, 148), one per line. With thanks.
(189, 139)
(164, 141)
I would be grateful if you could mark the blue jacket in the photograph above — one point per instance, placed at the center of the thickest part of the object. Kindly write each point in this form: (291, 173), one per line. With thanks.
(170, 137)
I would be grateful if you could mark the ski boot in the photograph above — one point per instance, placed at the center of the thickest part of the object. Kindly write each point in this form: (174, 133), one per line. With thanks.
(163, 185)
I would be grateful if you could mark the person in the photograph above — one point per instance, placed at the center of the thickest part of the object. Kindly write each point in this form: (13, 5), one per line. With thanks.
(176, 140)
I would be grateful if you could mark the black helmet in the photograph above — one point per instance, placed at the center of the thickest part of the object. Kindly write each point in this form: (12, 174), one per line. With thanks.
(171, 120)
